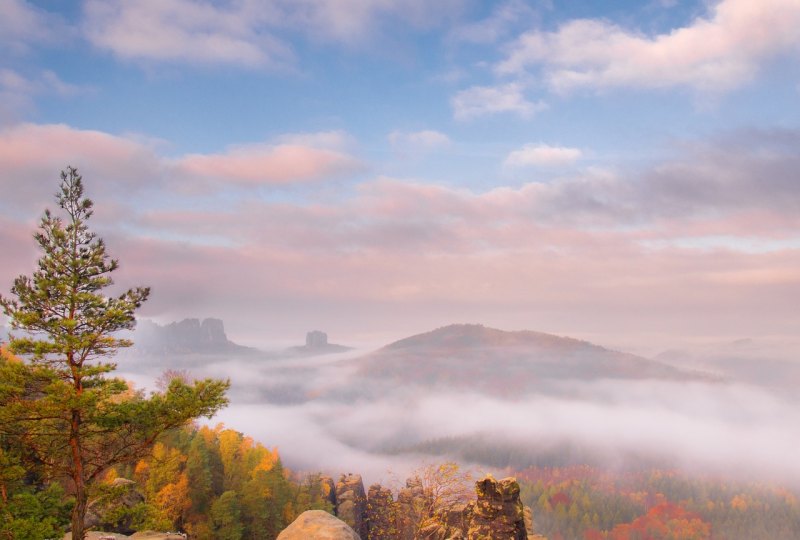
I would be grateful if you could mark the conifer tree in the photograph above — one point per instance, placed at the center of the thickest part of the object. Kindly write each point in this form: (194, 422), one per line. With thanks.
(73, 418)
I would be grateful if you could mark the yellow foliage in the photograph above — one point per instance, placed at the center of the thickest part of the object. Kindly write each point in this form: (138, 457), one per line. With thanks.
(739, 503)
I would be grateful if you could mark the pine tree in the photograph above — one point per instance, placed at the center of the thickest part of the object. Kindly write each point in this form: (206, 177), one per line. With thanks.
(73, 418)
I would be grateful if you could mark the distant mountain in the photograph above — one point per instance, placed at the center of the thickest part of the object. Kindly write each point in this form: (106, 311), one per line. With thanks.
(481, 358)
(317, 343)
(184, 337)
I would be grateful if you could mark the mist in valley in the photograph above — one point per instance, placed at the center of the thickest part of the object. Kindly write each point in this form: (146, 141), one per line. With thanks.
(335, 413)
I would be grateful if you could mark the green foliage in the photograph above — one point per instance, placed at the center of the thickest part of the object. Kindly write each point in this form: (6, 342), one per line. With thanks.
(35, 515)
(226, 516)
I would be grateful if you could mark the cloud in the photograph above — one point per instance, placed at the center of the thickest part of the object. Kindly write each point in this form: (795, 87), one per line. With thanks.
(247, 33)
(424, 140)
(351, 21)
(23, 25)
(396, 253)
(270, 164)
(199, 32)
(495, 26)
(338, 422)
(32, 155)
(542, 155)
(713, 53)
(486, 100)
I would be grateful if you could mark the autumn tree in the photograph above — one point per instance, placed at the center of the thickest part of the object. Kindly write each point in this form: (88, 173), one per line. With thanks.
(73, 418)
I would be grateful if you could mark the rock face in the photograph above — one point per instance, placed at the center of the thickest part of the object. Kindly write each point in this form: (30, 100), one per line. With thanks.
(498, 512)
(381, 517)
(317, 343)
(124, 495)
(186, 336)
(351, 502)
(318, 525)
(410, 500)
(315, 338)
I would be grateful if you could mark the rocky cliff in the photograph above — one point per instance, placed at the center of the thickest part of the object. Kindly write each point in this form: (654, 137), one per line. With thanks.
(496, 512)
(183, 337)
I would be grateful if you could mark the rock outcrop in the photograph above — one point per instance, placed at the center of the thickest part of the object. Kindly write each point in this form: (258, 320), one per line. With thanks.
(183, 337)
(381, 515)
(318, 525)
(111, 512)
(497, 512)
(351, 502)
(317, 343)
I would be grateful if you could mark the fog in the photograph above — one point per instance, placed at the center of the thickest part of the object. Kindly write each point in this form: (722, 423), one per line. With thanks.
(323, 414)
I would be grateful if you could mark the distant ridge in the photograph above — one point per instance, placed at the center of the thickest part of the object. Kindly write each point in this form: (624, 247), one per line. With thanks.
(478, 335)
(477, 357)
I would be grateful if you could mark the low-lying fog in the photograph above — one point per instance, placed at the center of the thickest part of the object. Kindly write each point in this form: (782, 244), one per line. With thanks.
(323, 415)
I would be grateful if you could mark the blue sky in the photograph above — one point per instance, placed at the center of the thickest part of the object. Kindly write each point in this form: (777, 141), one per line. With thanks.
(561, 166)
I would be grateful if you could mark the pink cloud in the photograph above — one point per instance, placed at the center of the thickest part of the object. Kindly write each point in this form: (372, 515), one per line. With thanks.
(592, 253)
(270, 164)
(713, 53)
(182, 30)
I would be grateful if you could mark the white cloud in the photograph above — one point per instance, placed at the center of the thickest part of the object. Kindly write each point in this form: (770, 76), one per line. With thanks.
(349, 21)
(22, 24)
(496, 25)
(714, 53)
(484, 100)
(185, 30)
(536, 155)
(418, 140)
(245, 32)
(18, 92)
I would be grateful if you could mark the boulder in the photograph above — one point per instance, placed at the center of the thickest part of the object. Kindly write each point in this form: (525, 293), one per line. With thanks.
(351, 502)
(497, 512)
(318, 525)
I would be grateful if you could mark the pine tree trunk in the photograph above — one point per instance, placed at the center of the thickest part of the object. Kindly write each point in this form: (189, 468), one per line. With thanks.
(79, 513)
(81, 495)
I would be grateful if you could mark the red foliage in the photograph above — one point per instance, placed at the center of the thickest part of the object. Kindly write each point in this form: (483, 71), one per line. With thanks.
(560, 498)
(664, 522)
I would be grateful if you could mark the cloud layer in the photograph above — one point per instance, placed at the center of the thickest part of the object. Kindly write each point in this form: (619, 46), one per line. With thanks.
(713, 53)
(705, 239)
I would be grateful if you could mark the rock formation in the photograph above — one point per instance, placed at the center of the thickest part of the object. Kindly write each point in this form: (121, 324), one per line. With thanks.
(351, 502)
(315, 338)
(381, 515)
(329, 491)
(317, 343)
(318, 525)
(186, 336)
(410, 502)
(497, 512)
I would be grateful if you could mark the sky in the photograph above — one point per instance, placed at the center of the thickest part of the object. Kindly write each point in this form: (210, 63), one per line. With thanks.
(625, 172)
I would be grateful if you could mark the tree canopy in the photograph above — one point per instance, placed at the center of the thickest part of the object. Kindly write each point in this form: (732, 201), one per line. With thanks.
(62, 413)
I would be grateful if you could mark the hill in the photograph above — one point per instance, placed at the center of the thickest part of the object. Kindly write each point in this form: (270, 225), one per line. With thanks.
(478, 357)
